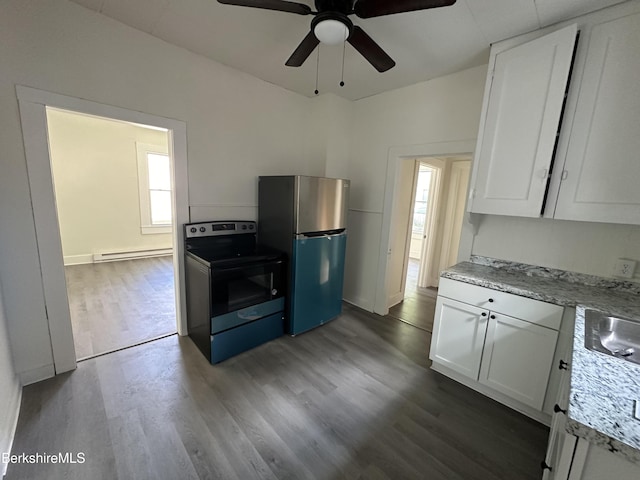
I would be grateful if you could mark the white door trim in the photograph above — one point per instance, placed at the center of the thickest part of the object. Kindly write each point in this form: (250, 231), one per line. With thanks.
(394, 157)
(33, 103)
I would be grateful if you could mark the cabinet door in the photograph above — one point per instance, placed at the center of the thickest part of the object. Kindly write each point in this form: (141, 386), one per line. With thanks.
(599, 463)
(602, 168)
(521, 119)
(458, 336)
(561, 443)
(517, 358)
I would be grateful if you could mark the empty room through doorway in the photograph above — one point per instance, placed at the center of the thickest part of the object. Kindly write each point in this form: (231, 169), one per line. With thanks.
(113, 189)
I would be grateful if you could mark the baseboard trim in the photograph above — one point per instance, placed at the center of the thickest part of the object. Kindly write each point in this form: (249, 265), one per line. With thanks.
(131, 255)
(358, 302)
(395, 299)
(115, 256)
(36, 374)
(530, 412)
(13, 412)
(78, 259)
(6, 444)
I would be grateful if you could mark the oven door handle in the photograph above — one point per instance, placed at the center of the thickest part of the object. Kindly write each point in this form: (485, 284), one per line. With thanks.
(237, 268)
(252, 315)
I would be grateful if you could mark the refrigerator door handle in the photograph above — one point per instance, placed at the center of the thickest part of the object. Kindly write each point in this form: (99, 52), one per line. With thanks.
(330, 234)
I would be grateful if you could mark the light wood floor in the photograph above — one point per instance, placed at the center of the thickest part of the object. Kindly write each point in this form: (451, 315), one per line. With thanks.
(419, 304)
(352, 399)
(118, 304)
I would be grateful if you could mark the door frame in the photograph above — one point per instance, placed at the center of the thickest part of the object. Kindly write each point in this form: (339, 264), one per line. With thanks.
(33, 117)
(394, 157)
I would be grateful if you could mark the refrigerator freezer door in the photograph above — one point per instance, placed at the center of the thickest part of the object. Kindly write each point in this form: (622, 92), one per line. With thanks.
(318, 278)
(321, 204)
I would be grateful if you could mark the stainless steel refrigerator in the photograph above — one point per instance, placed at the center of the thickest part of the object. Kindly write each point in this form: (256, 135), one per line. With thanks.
(306, 217)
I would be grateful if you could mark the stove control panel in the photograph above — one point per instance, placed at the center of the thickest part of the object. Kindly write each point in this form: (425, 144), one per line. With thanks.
(210, 229)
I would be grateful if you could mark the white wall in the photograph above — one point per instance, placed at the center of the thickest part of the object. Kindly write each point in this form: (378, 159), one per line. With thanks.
(584, 247)
(238, 127)
(10, 391)
(445, 109)
(330, 134)
(95, 172)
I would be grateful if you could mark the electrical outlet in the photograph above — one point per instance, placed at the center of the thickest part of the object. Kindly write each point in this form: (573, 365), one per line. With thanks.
(624, 268)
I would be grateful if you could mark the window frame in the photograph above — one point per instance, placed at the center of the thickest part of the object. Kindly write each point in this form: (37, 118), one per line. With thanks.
(146, 225)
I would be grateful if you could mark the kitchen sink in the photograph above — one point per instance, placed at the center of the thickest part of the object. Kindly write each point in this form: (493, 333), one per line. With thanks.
(618, 337)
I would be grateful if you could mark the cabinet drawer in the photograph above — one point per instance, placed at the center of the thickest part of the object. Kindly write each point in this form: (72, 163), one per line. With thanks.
(534, 311)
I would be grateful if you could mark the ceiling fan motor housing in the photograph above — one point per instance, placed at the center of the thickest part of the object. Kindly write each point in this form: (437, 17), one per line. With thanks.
(341, 6)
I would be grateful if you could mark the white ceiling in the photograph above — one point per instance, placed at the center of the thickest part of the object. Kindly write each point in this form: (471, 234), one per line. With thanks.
(425, 44)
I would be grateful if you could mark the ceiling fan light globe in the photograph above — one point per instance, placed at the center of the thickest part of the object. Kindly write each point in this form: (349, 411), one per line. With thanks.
(331, 32)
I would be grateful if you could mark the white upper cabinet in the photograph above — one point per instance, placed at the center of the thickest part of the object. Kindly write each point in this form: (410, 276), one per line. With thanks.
(526, 89)
(596, 170)
(601, 180)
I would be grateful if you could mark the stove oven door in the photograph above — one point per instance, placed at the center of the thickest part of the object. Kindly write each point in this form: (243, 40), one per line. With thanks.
(236, 287)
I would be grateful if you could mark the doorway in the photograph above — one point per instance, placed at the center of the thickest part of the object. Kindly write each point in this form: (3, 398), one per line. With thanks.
(112, 184)
(33, 116)
(427, 225)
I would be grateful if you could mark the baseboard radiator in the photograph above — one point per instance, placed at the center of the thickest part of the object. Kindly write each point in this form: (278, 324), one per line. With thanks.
(115, 256)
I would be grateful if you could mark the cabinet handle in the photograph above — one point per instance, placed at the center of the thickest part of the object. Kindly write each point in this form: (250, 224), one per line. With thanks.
(557, 409)
(544, 466)
(562, 365)
(491, 300)
(492, 317)
(484, 314)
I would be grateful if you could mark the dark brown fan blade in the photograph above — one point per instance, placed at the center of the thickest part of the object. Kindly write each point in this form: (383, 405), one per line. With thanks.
(370, 50)
(307, 45)
(278, 5)
(377, 8)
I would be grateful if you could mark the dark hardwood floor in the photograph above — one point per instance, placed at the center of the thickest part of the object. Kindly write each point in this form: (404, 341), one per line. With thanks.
(419, 304)
(352, 399)
(119, 304)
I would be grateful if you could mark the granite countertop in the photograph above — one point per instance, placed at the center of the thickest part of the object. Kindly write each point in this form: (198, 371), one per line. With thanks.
(603, 388)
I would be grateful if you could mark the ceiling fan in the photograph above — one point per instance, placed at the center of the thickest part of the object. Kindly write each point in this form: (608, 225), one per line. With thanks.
(331, 24)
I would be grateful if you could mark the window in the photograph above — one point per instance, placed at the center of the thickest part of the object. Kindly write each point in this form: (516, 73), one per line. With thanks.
(154, 180)
(421, 200)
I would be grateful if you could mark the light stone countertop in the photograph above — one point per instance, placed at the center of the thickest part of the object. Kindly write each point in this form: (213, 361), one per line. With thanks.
(603, 388)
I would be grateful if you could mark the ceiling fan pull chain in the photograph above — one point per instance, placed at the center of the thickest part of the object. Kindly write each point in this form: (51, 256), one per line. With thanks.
(344, 47)
(317, 69)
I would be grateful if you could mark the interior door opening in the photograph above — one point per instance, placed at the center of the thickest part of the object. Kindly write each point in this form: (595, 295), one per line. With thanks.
(427, 225)
(113, 186)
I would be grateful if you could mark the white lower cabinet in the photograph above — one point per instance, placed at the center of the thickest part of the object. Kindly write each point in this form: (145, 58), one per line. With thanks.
(458, 335)
(517, 358)
(500, 344)
(581, 460)
(557, 461)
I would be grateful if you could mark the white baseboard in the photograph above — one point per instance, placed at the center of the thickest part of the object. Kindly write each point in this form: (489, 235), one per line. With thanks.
(78, 259)
(359, 302)
(9, 428)
(530, 412)
(36, 374)
(115, 256)
(395, 299)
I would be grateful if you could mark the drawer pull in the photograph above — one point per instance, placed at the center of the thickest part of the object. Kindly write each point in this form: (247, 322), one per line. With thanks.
(492, 317)
(491, 300)
(562, 365)
(484, 314)
(557, 409)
